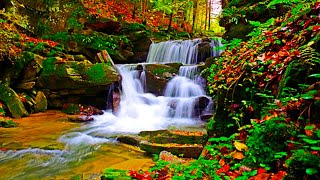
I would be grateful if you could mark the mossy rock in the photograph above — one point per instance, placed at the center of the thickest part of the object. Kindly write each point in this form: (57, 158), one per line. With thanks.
(180, 137)
(41, 103)
(158, 76)
(184, 150)
(12, 101)
(58, 74)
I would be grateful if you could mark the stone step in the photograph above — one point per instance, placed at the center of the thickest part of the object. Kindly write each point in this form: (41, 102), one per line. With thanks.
(188, 144)
(181, 150)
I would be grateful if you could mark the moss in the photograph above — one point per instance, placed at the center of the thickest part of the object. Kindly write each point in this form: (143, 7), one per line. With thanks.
(13, 102)
(98, 72)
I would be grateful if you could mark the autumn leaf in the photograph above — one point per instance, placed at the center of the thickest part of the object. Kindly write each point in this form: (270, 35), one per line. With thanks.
(237, 155)
(240, 146)
(224, 169)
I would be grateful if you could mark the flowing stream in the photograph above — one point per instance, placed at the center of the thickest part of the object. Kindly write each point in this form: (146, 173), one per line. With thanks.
(138, 111)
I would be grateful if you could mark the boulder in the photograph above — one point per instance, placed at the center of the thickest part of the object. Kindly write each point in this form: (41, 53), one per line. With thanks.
(41, 102)
(188, 144)
(12, 101)
(59, 74)
(76, 82)
(33, 69)
(158, 76)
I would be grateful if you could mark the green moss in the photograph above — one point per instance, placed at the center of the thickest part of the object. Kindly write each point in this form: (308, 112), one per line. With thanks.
(49, 65)
(161, 70)
(98, 72)
(13, 102)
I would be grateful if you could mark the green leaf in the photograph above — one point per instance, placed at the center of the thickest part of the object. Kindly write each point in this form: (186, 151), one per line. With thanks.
(310, 127)
(219, 139)
(315, 75)
(315, 148)
(310, 141)
(307, 96)
(253, 173)
(311, 171)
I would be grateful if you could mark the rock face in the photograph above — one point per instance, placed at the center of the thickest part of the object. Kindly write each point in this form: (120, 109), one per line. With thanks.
(76, 82)
(12, 101)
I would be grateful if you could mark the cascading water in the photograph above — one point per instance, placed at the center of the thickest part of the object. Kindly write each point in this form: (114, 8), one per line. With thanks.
(189, 71)
(184, 51)
(183, 102)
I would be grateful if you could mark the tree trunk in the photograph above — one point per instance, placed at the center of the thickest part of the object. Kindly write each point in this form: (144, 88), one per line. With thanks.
(170, 22)
(205, 22)
(210, 6)
(195, 7)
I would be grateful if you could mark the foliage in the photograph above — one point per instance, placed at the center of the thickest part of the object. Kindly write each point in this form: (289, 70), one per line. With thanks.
(94, 41)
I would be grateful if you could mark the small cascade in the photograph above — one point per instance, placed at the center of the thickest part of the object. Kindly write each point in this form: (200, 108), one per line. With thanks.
(184, 51)
(189, 71)
(184, 94)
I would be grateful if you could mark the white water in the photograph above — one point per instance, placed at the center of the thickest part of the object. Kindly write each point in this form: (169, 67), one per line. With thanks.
(189, 71)
(184, 51)
(140, 111)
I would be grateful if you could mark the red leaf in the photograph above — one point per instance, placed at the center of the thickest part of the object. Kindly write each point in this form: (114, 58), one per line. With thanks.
(279, 175)
(224, 169)
(263, 176)
(261, 170)
(315, 28)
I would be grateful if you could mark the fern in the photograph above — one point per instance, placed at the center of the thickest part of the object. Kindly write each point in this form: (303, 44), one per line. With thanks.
(310, 55)
(287, 2)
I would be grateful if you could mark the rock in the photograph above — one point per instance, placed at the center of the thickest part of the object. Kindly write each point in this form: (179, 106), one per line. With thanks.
(180, 137)
(174, 65)
(76, 82)
(79, 57)
(32, 70)
(184, 150)
(158, 76)
(41, 102)
(169, 157)
(129, 139)
(12, 101)
(206, 117)
(80, 118)
(26, 85)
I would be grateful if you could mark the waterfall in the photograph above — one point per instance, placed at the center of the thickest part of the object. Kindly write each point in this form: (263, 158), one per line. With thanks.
(189, 71)
(184, 51)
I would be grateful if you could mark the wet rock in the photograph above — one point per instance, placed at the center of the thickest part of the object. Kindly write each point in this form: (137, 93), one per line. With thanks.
(206, 117)
(80, 118)
(129, 139)
(158, 76)
(174, 65)
(41, 103)
(12, 101)
(202, 103)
